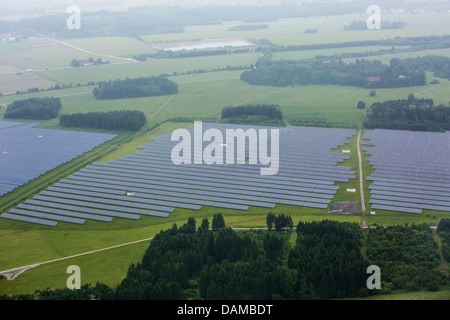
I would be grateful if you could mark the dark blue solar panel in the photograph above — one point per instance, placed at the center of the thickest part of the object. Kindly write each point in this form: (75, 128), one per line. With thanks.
(393, 208)
(28, 219)
(25, 151)
(47, 216)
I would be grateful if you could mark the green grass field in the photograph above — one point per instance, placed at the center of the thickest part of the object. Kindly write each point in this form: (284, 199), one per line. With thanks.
(443, 294)
(148, 68)
(201, 96)
(330, 29)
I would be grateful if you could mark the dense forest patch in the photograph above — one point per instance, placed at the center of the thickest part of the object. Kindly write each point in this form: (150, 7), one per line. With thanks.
(408, 257)
(134, 88)
(408, 114)
(112, 120)
(362, 73)
(34, 108)
(252, 113)
(444, 232)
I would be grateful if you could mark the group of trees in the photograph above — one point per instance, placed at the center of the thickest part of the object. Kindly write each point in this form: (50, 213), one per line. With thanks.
(362, 73)
(169, 54)
(362, 25)
(34, 108)
(281, 222)
(439, 65)
(133, 88)
(112, 120)
(328, 261)
(361, 105)
(179, 257)
(444, 232)
(408, 114)
(408, 257)
(253, 112)
(321, 124)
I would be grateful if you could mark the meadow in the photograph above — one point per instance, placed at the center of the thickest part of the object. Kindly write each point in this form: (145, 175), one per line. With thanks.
(122, 70)
(201, 97)
(330, 29)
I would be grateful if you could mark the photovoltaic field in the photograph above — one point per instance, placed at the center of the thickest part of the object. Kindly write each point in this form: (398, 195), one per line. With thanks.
(27, 152)
(149, 183)
(412, 170)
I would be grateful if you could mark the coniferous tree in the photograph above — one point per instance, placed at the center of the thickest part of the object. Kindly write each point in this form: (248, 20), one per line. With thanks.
(218, 222)
(270, 221)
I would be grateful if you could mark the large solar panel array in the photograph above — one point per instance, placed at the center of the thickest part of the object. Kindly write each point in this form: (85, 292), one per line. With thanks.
(149, 183)
(412, 170)
(27, 152)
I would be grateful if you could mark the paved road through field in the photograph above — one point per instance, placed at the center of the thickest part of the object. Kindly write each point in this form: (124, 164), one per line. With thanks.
(361, 182)
(14, 273)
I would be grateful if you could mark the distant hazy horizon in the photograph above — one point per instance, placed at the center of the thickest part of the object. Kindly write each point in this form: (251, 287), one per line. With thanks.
(28, 8)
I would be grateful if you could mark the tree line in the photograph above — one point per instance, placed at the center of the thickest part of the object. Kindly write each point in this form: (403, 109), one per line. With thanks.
(385, 25)
(419, 43)
(251, 112)
(34, 108)
(408, 114)
(361, 73)
(131, 120)
(321, 124)
(133, 88)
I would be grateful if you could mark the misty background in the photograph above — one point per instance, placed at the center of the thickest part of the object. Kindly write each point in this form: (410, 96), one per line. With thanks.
(22, 19)
(29, 8)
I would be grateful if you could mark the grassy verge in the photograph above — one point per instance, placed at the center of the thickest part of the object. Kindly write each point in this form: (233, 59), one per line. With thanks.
(442, 294)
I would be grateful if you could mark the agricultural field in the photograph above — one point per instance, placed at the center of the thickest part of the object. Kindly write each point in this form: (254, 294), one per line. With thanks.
(112, 46)
(147, 68)
(11, 83)
(201, 96)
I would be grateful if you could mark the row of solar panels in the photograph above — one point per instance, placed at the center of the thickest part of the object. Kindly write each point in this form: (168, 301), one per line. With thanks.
(10, 124)
(435, 194)
(211, 188)
(412, 171)
(428, 167)
(188, 192)
(193, 177)
(392, 184)
(289, 168)
(148, 183)
(203, 192)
